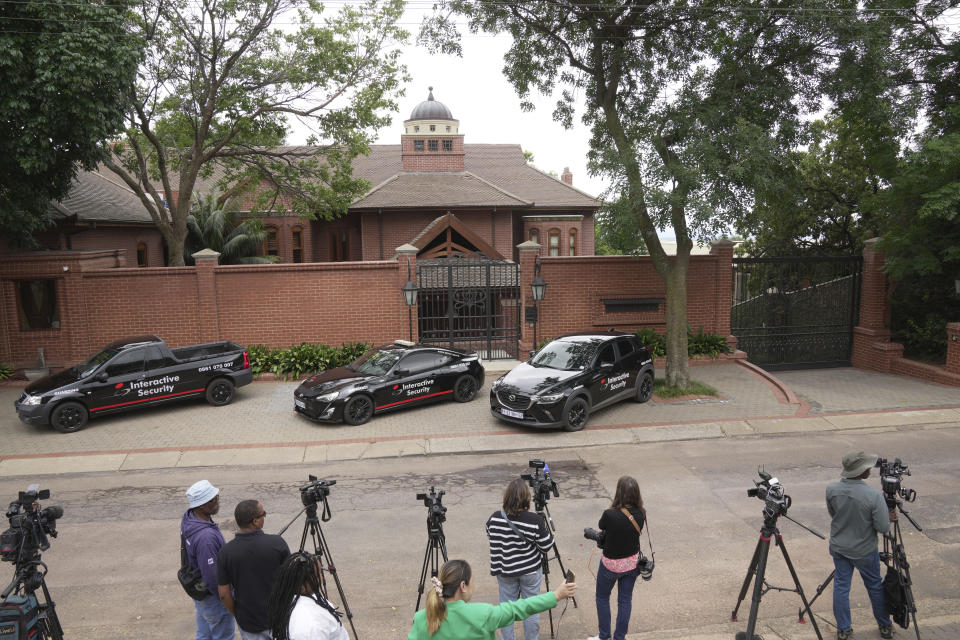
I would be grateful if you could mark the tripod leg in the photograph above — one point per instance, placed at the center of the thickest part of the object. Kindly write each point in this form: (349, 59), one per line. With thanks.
(762, 551)
(563, 571)
(53, 622)
(332, 568)
(545, 563)
(746, 581)
(820, 589)
(423, 572)
(796, 582)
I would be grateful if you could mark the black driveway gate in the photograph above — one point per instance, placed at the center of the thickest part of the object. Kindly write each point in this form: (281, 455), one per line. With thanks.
(470, 303)
(792, 313)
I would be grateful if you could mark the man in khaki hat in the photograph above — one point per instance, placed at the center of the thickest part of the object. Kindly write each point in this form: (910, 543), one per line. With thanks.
(858, 513)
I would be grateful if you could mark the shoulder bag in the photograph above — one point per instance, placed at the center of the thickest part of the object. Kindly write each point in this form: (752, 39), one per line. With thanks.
(190, 578)
(644, 566)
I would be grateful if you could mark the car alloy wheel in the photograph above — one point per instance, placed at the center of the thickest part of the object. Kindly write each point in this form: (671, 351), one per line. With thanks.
(69, 417)
(645, 388)
(575, 414)
(220, 392)
(358, 410)
(465, 388)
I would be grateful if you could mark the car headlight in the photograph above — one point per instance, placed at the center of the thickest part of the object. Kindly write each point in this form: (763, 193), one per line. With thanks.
(496, 383)
(327, 397)
(553, 397)
(30, 401)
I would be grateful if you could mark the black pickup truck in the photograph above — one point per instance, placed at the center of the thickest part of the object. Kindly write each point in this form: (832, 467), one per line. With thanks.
(141, 371)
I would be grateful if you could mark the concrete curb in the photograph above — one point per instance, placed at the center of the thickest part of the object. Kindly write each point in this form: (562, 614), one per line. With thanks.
(441, 444)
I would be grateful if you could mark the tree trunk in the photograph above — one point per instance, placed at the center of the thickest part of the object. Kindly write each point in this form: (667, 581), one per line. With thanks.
(175, 237)
(678, 366)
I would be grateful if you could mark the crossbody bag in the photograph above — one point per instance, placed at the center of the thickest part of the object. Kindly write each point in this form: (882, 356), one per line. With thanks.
(644, 566)
(189, 577)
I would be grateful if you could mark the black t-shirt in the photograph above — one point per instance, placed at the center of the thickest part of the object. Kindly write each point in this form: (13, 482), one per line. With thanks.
(622, 539)
(249, 562)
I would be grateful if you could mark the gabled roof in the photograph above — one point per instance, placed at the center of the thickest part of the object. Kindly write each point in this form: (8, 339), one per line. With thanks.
(436, 189)
(451, 229)
(100, 196)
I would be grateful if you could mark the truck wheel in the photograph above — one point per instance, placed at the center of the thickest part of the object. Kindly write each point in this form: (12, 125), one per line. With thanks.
(220, 392)
(645, 388)
(68, 417)
(358, 409)
(465, 388)
(575, 414)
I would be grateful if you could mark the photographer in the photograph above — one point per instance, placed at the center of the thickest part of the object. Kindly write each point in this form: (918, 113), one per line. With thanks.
(518, 539)
(450, 615)
(297, 609)
(621, 525)
(858, 513)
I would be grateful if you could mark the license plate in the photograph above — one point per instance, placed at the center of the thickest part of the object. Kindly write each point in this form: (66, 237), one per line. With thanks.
(300, 403)
(512, 414)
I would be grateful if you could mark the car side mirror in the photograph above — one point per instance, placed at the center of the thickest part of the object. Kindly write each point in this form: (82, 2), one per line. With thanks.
(101, 377)
(401, 372)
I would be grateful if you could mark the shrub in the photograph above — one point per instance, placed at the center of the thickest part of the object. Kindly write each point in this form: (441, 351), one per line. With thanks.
(698, 344)
(5, 371)
(653, 341)
(294, 362)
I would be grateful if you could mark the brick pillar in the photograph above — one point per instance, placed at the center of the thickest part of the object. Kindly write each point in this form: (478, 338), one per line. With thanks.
(528, 254)
(73, 311)
(953, 347)
(872, 348)
(206, 260)
(407, 253)
(723, 289)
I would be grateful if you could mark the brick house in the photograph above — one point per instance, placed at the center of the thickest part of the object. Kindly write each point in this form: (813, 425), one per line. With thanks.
(431, 190)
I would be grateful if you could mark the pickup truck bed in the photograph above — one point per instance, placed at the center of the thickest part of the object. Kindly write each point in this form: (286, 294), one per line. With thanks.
(132, 373)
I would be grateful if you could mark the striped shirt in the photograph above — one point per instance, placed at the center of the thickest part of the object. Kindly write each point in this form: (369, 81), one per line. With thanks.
(509, 555)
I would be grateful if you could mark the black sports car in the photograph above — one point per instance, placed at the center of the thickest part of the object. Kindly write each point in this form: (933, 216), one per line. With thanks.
(572, 376)
(392, 376)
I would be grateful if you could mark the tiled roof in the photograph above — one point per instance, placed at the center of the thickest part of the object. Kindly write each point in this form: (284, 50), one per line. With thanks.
(436, 189)
(100, 196)
(495, 175)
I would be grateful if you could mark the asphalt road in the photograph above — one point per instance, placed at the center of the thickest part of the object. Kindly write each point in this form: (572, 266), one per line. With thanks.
(112, 568)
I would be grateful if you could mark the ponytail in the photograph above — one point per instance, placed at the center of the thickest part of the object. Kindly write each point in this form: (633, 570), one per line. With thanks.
(452, 573)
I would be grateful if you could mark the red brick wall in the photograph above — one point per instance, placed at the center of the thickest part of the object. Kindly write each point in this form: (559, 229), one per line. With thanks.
(953, 348)
(122, 238)
(583, 227)
(432, 160)
(400, 227)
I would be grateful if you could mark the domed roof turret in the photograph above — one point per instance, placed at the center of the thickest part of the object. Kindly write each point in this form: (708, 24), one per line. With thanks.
(430, 109)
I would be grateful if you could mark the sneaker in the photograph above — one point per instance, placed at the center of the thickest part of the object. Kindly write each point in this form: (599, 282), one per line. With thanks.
(886, 632)
(594, 638)
(845, 635)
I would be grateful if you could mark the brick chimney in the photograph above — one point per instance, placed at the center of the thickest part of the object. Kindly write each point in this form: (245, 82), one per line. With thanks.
(567, 177)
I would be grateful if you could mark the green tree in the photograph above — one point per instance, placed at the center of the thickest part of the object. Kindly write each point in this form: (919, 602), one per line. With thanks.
(213, 223)
(64, 65)
(220, 81)
(686, 102)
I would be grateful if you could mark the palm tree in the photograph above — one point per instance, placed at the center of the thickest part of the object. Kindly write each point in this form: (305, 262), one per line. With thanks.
(213, 224)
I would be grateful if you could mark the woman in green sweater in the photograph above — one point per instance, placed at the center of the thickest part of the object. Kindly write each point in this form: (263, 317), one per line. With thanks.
(451, 616)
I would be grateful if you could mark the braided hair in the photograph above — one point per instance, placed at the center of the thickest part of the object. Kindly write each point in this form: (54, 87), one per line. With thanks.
(452, 573)
(298, 572)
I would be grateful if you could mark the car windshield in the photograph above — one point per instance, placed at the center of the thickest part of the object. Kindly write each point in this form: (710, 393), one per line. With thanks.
(566, 356)
(94, 362)
(375, 363)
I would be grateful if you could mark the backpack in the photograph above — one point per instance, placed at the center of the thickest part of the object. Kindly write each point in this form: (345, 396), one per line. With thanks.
(189, 577)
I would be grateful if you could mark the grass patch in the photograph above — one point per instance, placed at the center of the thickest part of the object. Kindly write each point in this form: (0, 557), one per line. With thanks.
(661, 389)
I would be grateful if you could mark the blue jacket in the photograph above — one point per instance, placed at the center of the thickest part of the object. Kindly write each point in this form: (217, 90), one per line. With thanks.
(203, 541)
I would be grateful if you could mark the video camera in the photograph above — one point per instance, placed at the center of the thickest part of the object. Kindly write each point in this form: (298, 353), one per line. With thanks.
(315, 491)
(776, 501)
(29, 526)
(891, 476)
(541, 485)
(436, 512)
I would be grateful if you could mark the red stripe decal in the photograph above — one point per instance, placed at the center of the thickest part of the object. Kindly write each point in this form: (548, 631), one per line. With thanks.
(429, 395)
(169, 395)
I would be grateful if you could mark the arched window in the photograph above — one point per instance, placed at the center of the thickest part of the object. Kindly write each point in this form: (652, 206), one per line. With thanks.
(535, 235)
(553, 248)
(296, 244)
(141, 254)
(573, 242)
(272, 245)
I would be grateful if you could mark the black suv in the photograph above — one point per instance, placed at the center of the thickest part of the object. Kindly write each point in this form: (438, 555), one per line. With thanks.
(572, 376)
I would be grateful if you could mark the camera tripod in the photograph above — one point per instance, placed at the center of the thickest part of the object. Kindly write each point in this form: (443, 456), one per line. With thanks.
(28, 579)
(757, 570)
(436, 547)
(311, 527)
(544, 512)
(894, 556)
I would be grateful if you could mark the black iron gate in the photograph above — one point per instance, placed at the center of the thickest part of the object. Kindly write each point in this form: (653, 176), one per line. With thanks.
(792, 313)
(470, 303)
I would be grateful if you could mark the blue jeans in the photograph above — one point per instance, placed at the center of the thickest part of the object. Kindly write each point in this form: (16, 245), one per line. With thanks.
(605, 581)
(523, 587)
(256, 635)
(869, 568)
(214, 622)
